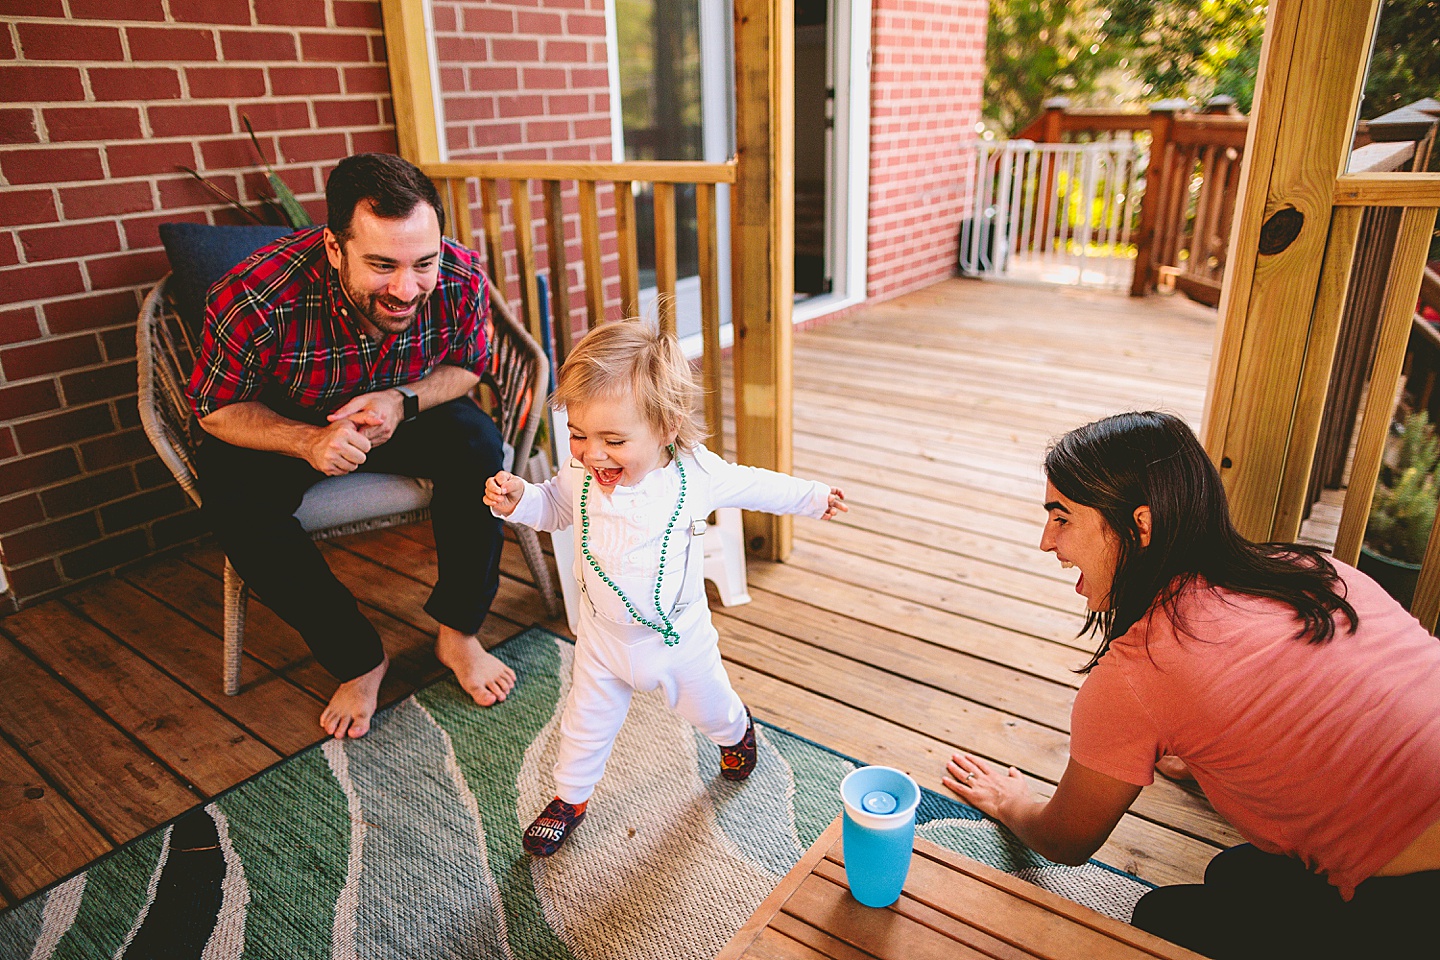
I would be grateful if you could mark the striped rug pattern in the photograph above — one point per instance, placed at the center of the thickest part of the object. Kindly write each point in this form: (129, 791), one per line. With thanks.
(406, 843)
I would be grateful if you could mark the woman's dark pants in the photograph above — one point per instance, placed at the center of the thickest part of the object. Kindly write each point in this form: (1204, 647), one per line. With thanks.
(1256, 904)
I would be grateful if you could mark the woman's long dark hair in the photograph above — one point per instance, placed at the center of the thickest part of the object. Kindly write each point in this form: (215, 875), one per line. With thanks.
(1154, 459)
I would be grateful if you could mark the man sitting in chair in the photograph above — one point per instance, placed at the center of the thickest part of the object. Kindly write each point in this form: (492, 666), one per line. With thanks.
(342, 348)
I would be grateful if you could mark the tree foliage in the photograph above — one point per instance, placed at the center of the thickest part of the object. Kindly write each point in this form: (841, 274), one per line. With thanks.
(1037, 49)
(1405, 65)
(1181, 48)
(1104, 50)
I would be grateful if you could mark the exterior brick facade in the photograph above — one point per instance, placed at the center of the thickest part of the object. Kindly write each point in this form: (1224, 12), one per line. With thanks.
(925, 87)
(102, 105)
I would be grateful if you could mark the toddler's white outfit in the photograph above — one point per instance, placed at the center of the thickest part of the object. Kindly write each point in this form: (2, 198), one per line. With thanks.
(614, 654)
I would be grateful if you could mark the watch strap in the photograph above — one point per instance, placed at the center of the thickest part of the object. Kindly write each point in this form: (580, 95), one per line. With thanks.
(412, 402)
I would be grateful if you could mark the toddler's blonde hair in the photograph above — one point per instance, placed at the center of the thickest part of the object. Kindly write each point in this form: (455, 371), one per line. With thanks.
(633, 357)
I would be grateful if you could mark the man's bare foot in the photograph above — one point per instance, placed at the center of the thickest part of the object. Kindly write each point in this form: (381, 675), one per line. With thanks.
(481, 674)
(349, 711)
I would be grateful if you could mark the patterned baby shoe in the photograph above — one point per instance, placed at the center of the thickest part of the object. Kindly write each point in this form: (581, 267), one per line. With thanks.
(738, 762)
(548, 832)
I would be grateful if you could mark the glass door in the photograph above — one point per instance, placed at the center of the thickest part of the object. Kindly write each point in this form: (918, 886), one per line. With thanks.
(675, 100)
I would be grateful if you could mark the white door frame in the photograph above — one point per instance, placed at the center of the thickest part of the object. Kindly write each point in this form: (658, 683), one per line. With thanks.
(850, 174)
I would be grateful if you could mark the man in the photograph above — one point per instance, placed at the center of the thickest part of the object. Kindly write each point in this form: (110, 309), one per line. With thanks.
(349, 347)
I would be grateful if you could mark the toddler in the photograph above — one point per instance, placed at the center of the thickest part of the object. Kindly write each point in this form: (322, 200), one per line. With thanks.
(637, 490)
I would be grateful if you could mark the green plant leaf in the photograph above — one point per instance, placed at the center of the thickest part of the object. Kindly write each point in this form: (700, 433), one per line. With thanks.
(295, 214)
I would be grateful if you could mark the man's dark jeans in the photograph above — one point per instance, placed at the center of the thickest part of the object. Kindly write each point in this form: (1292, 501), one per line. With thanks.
(250, 498)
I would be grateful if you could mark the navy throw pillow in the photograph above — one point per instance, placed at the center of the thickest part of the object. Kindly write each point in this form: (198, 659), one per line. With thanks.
(201, 254)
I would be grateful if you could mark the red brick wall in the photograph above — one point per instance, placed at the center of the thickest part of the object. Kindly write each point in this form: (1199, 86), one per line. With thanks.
(103, 99)
(928, 71)
(521, 82)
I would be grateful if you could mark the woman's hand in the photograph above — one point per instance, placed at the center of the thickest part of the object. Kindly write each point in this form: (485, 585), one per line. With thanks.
(1067, 828)
(984, 787)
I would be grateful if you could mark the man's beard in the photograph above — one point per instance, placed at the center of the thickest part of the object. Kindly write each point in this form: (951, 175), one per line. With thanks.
(369, 305)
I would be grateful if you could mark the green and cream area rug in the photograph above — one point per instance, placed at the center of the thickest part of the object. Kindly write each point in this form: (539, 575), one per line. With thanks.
(406, 844)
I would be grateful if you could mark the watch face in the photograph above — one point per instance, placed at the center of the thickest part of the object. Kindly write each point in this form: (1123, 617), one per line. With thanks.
(412, 405)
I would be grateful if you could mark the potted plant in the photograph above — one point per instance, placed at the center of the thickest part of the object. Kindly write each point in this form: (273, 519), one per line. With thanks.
(1403, 511)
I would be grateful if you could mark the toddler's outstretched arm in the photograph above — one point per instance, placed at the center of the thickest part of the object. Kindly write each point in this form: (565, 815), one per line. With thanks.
(503, 492)
(836, 504)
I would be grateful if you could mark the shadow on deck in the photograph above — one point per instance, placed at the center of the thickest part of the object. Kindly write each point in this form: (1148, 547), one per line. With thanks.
(922, 622)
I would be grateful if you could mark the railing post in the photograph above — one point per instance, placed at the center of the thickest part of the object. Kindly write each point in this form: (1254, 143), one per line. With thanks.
(1162, 123)
(1054, 119)
(762, 250)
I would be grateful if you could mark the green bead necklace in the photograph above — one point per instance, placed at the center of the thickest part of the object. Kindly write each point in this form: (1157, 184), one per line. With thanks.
(665, 628)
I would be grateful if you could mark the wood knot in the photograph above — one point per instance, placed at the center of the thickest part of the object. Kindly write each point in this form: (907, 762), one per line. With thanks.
(1280, 230)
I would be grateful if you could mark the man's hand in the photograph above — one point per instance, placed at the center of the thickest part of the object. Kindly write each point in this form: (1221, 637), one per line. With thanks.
(339, 448)
(376, 415)
(503, 492)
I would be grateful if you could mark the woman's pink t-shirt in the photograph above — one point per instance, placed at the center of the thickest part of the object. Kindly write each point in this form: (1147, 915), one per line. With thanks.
(1329, 753)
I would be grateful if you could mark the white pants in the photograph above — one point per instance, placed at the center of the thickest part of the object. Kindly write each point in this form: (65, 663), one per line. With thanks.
(613, 661)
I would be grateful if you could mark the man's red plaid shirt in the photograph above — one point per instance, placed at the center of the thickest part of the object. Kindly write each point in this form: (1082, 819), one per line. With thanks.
(279, 330)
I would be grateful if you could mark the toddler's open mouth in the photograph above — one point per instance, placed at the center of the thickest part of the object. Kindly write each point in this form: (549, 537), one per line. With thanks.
(607, 476)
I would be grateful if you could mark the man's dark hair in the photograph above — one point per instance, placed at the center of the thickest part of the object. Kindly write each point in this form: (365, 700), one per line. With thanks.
(1153, 459)
(393, 187)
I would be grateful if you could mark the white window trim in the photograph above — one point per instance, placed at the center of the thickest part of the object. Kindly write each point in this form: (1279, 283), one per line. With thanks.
(612, 65)
(852, 131)
(437, 95)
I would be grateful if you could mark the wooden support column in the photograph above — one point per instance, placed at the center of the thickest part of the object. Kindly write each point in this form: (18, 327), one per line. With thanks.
(762, 250)
(1311, 72)
(408, 51)
(1162, 122)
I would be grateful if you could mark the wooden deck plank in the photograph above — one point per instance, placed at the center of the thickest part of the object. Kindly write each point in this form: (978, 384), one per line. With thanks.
(196, 591)
(276, 713)
(122, 787)
(1023, 695)
(43, 836)
(192, 738)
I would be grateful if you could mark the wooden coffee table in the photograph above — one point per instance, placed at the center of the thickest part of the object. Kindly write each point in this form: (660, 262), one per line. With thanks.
(951, 907)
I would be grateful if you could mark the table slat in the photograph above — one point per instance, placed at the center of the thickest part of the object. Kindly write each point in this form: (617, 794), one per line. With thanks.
(885, 934)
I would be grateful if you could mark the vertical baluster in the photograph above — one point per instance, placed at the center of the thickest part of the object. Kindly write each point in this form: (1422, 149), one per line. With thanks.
(1198, 245)
(494, 245)
(1397, 307)
(461, 228)
(665, 254)
(710, 313)
(629, 262)
(525, 256)
(590, 242)
(559, 269)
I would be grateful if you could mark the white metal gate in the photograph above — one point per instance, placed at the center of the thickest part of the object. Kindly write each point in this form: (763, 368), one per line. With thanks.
(1058, 212)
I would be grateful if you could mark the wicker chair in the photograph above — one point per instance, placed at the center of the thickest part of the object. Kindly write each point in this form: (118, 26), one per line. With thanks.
(356, 502)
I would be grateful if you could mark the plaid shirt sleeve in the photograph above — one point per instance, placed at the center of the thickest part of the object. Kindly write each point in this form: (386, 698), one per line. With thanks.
(233, 350)
(469, 345)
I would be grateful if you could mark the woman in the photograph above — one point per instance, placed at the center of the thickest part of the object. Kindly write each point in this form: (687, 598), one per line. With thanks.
(1302, 698)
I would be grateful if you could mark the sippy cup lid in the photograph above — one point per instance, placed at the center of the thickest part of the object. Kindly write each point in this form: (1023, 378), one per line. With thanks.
(878, 801)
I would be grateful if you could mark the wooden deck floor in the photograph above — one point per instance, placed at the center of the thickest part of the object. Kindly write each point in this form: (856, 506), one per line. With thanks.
(923, 621)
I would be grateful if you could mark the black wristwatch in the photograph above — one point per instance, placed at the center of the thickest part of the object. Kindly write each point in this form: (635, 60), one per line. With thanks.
(412, 403)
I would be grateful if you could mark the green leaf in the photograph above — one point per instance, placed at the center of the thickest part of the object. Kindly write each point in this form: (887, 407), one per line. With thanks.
(295, 214)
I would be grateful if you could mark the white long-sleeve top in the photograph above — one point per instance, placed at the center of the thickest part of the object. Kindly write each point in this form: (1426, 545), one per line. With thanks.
(627, 524)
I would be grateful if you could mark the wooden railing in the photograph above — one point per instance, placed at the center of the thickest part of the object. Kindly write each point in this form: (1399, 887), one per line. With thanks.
(1193, 176)
(1360, 321)
(486, 208)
